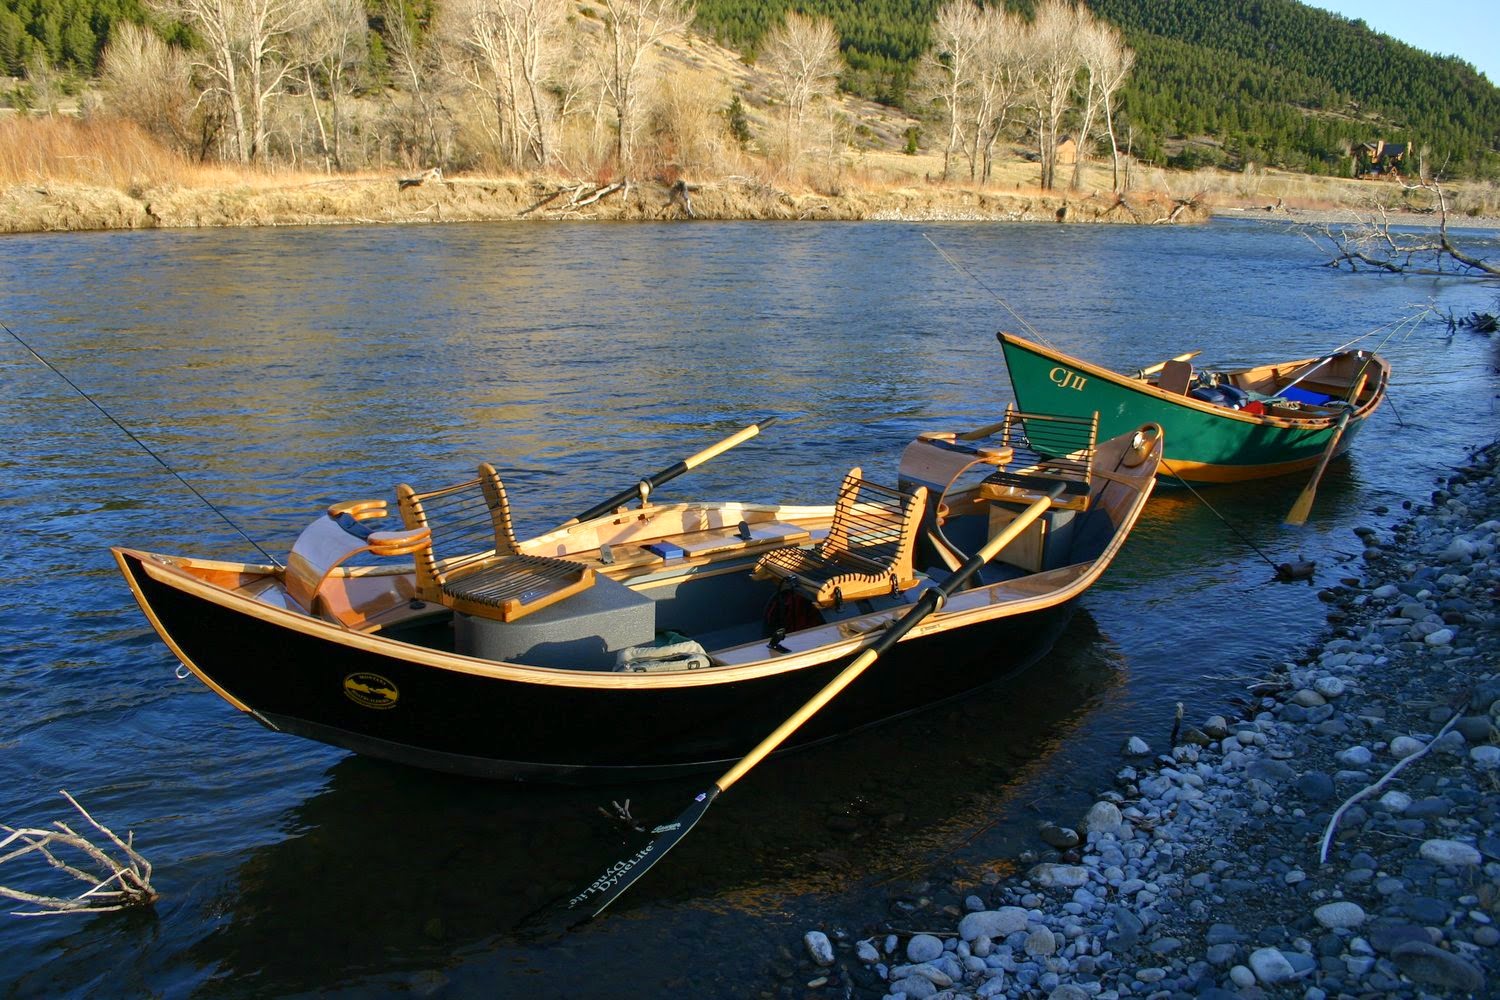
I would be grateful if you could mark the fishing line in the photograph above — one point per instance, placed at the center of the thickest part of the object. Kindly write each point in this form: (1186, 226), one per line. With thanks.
(1030, 330)
(1239, 534)
(144, 447)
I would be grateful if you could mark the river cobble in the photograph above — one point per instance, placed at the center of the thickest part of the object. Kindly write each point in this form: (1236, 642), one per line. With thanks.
(1338, 836)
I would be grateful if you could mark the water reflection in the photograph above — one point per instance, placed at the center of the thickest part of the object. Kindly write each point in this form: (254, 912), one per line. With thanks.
(395, 871)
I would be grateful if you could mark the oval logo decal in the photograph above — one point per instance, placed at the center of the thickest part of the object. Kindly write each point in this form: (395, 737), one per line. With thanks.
(370, 690)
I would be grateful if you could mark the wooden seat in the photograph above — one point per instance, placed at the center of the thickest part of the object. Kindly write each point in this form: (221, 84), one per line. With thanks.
(1047, 450)
(868, 550)
(1175, 377)
(472, 562)
(333, 540)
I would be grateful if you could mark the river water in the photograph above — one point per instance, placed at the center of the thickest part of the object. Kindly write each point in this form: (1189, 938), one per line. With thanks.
(280, 369)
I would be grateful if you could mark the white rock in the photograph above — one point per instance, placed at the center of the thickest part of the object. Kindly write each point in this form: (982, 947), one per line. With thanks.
(1054, 876)
(866, 952)
(1102, 817)
(992, 924)
(1405, 746)
(1486, 758)
(1442, 637)
(1449, 852)
(1242, 977)
(1041, 943)
(1271, 966)
(1396, 802)
(1355, 756)
(1330, 687)
(923, 948)
(993, 987)
(819, 947)
(1137, 747)
(1341, 914)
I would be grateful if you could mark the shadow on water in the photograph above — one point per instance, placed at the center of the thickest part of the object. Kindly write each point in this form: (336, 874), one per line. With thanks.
(390, 872)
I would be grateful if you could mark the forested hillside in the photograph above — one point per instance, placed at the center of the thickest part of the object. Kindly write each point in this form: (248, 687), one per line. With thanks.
(1224, 82)
(1268, 81)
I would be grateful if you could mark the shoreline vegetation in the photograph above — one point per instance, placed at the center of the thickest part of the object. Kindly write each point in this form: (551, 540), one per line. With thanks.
(61, 174)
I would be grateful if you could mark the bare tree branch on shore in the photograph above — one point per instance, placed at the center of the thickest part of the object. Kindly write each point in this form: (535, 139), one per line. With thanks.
(115, 885)
(1372, 243)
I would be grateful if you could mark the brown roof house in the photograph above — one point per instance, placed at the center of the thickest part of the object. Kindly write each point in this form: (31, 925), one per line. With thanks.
(1382, 158)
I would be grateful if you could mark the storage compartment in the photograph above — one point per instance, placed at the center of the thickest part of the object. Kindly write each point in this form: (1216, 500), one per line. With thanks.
(582, 632)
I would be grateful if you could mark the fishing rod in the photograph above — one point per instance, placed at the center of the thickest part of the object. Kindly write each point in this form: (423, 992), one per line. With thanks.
(143, 445)
(1031, 331)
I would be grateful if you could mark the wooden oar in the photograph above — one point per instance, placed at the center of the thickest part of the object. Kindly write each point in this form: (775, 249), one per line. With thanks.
(671, 472)
(1153, 369)
(1303, 506)
(618, 877)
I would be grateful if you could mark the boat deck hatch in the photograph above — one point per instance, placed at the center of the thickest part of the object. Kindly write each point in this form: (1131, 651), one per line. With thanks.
(582, 633)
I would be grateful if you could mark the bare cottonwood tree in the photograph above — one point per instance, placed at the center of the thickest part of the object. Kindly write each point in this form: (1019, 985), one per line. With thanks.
(949, 71)
(334, 46)
(245, 58)
(802, 56)
(1106, 63)
(1005, 72)
(1053, 37)
(632, 29)
(503, 52)
(151, 83)
(410, 57)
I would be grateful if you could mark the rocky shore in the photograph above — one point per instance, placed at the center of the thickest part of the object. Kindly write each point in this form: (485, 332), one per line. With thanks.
(1338, 838)
(427, 198)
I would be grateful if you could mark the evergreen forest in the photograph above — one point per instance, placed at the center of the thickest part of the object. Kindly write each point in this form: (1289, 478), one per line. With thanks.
(1216, 82)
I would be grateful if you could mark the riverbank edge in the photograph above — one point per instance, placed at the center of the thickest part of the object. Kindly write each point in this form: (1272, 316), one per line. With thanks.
(1198, 875)
(64, 207)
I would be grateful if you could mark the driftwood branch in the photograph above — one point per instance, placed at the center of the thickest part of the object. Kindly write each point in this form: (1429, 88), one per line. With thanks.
(1369, 790)
(114, 885)
(1370, 242)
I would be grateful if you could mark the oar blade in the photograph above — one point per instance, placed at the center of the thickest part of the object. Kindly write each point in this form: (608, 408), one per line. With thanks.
(1303, 507)
(612, 883)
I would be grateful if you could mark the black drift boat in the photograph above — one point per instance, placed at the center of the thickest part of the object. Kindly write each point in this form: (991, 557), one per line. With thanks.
(659, 638)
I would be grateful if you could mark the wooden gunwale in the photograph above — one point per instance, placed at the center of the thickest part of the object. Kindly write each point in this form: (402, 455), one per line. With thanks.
(968, 608)
(1201, 406)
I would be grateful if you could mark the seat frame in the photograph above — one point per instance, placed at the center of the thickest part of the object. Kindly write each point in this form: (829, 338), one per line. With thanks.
(498, 582)
(868, 549)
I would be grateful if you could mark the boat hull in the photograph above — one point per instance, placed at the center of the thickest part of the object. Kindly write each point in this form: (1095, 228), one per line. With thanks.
(374, 698)
(1204, 443)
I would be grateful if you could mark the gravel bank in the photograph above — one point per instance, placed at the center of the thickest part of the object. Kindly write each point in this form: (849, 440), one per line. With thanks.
(1199, 874)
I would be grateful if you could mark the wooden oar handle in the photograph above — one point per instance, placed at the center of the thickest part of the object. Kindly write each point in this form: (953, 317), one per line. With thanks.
(741, 437)
(930, 601)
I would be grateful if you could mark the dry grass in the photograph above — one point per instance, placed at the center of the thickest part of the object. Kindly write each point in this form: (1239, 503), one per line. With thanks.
(112, 153)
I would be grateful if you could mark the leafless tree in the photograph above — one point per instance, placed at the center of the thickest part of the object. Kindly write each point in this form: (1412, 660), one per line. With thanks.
(1053, 38)
(802, 56)
(410, 56)
(632, 29)
(1106, 64)
(950, 69)
(245, 58)
(1005, 71)
(1371, 243)
(503, 52)
(151, 83)
(334, 45)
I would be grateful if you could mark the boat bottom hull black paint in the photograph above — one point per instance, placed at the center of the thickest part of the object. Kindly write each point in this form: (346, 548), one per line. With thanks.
(492, 727)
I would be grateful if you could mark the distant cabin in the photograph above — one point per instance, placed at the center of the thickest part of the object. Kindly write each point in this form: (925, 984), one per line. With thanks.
(1381, 158)
(1067, 151)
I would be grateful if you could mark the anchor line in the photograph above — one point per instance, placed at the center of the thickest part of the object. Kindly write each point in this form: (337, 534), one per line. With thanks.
(1031, 331)
(1238, 533)
(143, 445)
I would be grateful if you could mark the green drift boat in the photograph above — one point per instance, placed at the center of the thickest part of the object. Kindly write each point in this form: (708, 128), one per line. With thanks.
(1221, 427)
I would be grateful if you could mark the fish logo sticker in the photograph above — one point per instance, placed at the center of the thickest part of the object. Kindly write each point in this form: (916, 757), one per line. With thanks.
(370, 691)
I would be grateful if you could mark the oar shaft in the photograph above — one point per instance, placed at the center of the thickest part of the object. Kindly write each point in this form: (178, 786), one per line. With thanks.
(1153, 369)
(929, 602)
(1303, 507)
(672, 471)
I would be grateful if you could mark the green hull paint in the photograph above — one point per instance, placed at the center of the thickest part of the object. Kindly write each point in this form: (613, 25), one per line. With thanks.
(1228, 448)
